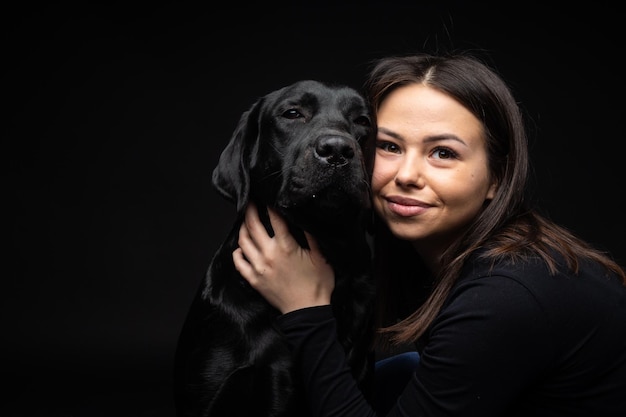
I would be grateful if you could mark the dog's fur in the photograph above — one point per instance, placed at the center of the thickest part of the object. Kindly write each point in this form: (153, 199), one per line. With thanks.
(300, 150)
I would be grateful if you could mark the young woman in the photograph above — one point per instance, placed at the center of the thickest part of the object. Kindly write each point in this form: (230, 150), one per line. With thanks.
(510, 314)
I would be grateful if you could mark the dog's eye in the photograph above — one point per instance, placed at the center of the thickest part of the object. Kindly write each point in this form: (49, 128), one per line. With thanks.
(292, 114)
(362, 121)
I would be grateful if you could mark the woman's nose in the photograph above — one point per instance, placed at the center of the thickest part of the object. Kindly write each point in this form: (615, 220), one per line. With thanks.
(409, 173)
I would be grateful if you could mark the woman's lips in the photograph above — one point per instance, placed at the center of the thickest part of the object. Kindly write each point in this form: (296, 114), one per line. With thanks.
(406, 207)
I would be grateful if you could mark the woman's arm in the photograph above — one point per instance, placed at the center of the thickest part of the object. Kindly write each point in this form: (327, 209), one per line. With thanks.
(330, 388)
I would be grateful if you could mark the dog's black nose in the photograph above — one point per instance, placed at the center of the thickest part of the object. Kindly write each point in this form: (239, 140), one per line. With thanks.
(335, 150)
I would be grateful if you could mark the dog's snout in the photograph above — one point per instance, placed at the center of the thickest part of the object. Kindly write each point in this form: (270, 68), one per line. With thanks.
(335, 150)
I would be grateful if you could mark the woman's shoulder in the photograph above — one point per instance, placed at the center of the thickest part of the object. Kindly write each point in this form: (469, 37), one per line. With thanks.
(568, 291)
(530, 267)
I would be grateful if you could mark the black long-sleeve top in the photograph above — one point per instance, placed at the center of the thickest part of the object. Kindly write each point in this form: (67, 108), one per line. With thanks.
(509, 341)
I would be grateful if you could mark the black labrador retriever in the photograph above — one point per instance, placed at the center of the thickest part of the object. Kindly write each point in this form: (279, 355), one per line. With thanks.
(300, 150)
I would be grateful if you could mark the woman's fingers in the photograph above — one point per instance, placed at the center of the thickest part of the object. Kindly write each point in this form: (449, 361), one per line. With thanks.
(311, 242)
(257, 250)
(256, 230)
(281, 231)
(243, 266)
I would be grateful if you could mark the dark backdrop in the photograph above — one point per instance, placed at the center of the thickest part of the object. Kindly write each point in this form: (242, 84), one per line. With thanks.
(117, 116)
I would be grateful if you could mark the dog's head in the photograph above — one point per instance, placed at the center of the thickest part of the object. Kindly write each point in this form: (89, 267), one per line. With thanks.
(303, 150)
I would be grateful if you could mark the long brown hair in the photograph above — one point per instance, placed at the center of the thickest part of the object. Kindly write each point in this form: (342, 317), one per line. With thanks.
(507, 227)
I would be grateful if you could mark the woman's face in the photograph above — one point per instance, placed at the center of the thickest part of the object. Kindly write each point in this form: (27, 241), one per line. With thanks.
(431, 174)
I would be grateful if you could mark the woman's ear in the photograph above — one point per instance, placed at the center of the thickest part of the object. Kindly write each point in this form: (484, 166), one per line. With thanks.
(491, 192)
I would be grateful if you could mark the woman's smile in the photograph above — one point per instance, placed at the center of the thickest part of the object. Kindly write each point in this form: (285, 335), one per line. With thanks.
(406, 207)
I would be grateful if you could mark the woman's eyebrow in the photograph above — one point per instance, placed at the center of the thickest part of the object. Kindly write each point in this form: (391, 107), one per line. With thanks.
(390, 133)
(445, 136)
(429, 139)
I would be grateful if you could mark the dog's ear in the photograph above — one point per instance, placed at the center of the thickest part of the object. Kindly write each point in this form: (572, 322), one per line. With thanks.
(231, 176)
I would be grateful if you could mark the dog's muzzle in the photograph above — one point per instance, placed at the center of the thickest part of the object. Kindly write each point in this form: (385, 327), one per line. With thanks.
(335, 150)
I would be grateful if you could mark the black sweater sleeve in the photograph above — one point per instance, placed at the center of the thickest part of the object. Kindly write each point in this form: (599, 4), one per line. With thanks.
(330, 387)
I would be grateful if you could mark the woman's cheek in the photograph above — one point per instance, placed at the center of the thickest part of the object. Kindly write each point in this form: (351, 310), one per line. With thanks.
(379, 179)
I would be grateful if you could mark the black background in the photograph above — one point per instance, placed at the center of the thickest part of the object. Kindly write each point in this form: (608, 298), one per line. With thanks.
(118, 113)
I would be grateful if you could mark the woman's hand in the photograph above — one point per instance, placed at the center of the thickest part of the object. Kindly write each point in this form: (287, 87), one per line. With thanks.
(288, 276)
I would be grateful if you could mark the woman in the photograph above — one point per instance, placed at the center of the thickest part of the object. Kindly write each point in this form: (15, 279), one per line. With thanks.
(510, 313)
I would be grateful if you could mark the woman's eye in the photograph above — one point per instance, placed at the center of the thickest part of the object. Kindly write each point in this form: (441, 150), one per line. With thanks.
(388, 147)
(444, 153)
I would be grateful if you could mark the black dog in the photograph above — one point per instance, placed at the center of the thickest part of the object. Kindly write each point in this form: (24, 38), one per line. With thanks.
(300, 150)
